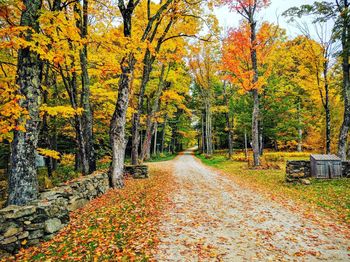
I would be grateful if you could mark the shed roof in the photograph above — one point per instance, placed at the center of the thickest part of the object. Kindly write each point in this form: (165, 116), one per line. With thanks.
(326, 157)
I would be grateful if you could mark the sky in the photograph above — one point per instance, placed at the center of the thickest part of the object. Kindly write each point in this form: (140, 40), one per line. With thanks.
(272, 14)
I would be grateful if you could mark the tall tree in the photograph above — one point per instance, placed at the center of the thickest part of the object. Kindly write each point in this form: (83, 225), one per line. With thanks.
(203, 64)
(343, 8)
(248, 9)
(85, 94)
(117, 126)
(149, 34)
(23, 183)
(339, 11)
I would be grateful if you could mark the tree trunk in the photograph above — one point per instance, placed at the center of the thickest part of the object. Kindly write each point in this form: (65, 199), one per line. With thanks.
(261, 138)
(87, 117)
(256, 109)
(300, 130)
(151, 111)
(245, 144)
(155, 138)
(148, 135)
(45, 134)
(83, 156)
(346, 82)
(208, 128)
(255, 129)
(23, 183)
(117, 127)
(328, 113)
(135, 133)
(228, 124)
(203, 133)
(163, 134)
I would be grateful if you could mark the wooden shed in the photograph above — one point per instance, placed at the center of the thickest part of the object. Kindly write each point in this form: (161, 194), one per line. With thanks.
(326, 166)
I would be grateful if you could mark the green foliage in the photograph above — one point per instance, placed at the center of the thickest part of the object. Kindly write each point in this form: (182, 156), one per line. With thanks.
(166, 156)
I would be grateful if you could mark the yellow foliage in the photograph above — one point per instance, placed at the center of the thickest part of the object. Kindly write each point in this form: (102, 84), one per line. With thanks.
(62, 111)
(67, 159)
(48, 153)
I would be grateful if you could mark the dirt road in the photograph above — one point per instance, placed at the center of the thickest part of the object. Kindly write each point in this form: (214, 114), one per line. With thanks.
(213, 219)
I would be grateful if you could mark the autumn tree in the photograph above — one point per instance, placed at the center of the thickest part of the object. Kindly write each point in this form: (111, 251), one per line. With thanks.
(23, 183)
(241, 70)
(173, 20)
(248, 10)
(339, 11)
(204, 64)
(117, 126)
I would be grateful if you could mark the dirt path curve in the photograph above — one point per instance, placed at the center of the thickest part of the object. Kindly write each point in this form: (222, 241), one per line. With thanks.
(213, 219)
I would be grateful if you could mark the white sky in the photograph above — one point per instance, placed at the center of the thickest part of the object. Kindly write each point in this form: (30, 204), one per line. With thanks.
(271, 14)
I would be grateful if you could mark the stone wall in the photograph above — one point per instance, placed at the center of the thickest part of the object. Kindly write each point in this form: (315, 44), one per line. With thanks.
(23, 226)
(136, 171)
(296, 170)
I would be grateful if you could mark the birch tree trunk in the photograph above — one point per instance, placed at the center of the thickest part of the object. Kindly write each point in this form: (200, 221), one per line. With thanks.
(23, 183)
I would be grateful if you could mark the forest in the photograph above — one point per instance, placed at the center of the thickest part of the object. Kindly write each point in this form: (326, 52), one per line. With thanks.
(91, 85)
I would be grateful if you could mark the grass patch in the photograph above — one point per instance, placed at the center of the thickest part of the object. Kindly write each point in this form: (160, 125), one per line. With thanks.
(162, 157)
(331, 196)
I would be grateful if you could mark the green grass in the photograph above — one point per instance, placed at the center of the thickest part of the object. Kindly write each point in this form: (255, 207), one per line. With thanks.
(162, 157)
(331, 196)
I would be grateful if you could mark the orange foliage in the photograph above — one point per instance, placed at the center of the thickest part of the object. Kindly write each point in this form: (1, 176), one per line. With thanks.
(236, 58)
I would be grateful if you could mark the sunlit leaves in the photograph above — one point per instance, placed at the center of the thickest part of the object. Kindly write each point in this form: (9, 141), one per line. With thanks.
(237, 57)
(48, 153)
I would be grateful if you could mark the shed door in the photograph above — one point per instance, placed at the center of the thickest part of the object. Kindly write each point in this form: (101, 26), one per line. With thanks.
(322, 170)
(336, 170)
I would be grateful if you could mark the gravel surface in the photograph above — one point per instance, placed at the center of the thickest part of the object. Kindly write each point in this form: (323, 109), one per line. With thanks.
(213, 219)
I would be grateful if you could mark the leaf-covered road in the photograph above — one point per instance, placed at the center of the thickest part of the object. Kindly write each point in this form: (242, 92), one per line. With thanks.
(211, 218)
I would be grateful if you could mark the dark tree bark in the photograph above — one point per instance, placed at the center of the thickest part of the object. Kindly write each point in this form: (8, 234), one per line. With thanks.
(162, 141)
(87, 116)
(345, 40)
(155, 138)
(145, 150)
(45, 134)
(328, 116)
(23, 184)
(71, 86)
(151, 111)
(117, 126)
(135, 132)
